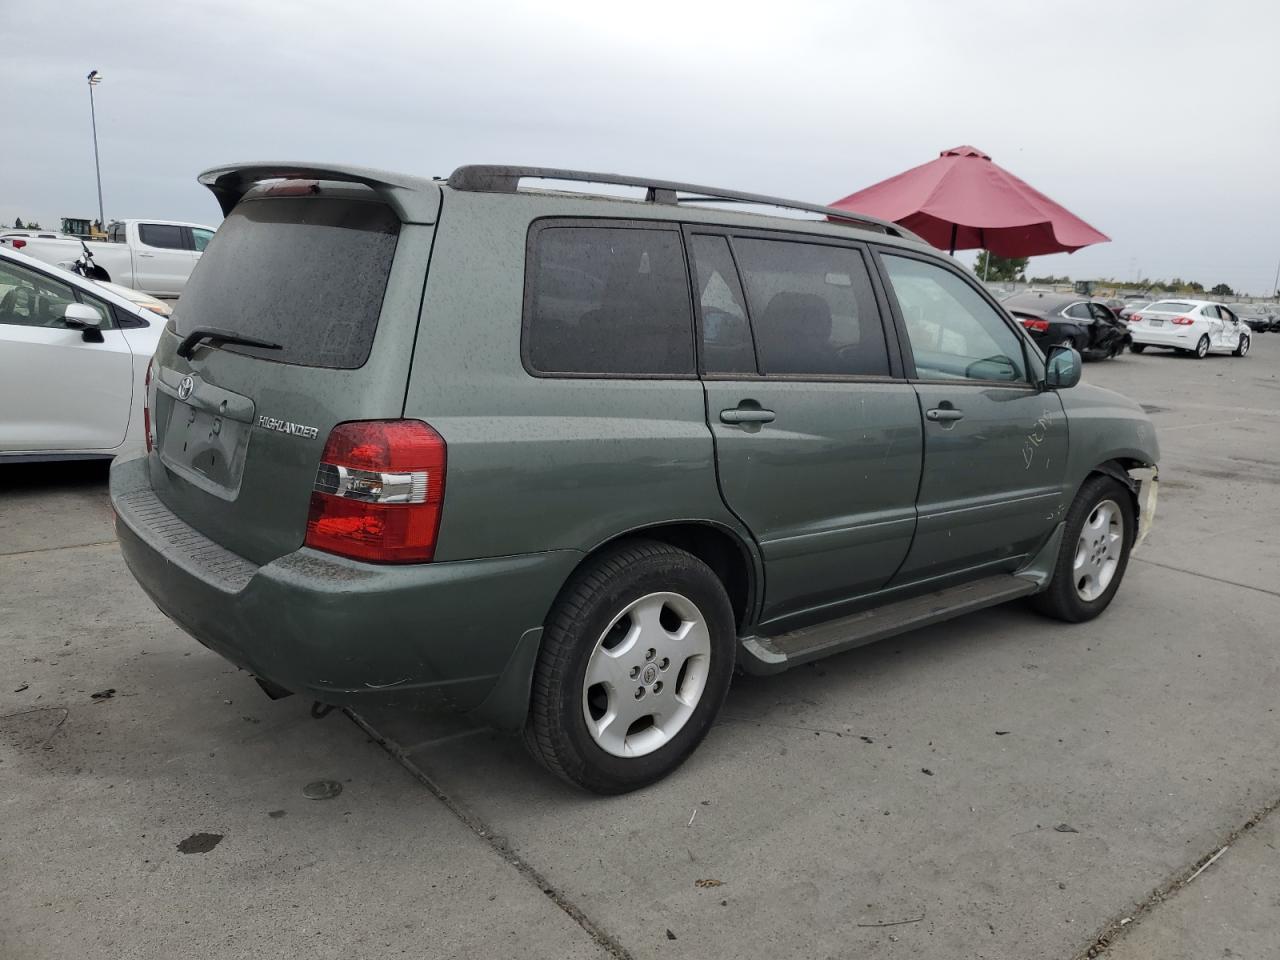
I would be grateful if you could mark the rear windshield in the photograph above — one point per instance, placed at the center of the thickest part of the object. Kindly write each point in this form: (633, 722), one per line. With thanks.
(1169, 306)
(307, 273)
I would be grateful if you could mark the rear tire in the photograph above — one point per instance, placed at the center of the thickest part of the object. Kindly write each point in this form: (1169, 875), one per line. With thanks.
(1137, 347)
(655, 625)
(1202, 347)
(1096, 541)
(1242, 347)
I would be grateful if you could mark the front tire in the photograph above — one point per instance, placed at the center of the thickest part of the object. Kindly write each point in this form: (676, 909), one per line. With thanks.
(1137, 347)
(1094, 554)
(635, 663)
(1242, 347)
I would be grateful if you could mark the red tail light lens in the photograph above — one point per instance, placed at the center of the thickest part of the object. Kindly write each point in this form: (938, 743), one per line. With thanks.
(1183, 321)
(1135, 318)
(1039, 326)
(379, 491)
(146, 406)
(18, 243)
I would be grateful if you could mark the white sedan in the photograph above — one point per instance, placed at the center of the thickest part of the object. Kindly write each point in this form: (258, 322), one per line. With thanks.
(1198, 327)
(73, 359)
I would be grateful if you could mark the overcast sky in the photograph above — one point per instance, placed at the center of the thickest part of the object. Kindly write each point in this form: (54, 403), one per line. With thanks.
(1157, 122)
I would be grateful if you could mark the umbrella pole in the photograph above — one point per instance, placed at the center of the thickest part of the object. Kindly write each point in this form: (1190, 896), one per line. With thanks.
(953, 239)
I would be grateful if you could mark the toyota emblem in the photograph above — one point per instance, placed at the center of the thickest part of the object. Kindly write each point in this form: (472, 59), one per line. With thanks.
(185, 388)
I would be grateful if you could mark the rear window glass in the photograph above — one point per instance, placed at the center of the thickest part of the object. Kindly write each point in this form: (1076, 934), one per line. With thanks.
(812, 309)
(1169, 306)
(162, 235)
(306, 273)
(608, 300)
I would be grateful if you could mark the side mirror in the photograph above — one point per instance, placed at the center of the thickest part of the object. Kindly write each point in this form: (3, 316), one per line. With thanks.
(1063, 368)
(81, 316)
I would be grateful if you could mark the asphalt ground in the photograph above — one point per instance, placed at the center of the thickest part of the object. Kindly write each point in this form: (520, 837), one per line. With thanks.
(1001, 786)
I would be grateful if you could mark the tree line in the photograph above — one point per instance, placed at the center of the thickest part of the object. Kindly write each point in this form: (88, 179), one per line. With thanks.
(1014, 269)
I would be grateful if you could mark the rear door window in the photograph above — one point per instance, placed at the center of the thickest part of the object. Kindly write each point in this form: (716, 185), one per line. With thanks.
(163, 236)
(308, 273)
(607, 301)
(813, 309)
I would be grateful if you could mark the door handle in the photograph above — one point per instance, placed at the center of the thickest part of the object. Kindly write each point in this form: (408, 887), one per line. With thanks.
(943, 414)
(146, 254)
(746, 415)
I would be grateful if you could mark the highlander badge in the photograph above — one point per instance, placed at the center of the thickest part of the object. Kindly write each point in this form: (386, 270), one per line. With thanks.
(289, 427)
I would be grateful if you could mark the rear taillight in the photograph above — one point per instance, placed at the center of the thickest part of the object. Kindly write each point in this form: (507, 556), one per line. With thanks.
(1135, 318)
(1183, 321)
(18, 243)
(1039, 326)
(379, 491)
(146, 406)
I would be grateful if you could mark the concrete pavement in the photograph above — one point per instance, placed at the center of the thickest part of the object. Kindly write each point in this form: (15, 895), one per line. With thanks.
(1000, 786)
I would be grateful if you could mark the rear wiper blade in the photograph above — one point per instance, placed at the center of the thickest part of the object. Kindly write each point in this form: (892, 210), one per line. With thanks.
(215, 336)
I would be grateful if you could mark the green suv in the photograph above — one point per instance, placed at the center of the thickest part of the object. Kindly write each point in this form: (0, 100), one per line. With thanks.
(565, 460)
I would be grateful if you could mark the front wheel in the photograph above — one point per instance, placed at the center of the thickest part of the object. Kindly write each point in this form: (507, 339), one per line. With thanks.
(1137, 347)
(1095, 551)
(636, 660)
(1202, 348)
(1242, 347)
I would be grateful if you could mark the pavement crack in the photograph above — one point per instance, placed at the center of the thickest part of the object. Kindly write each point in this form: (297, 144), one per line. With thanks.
(67, 546)
(1111, 931)
(1208, 576)
(498, 844)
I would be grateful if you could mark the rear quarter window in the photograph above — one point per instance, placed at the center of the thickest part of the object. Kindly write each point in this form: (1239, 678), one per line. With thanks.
(308, 273)
(162, 235)
(607, 301)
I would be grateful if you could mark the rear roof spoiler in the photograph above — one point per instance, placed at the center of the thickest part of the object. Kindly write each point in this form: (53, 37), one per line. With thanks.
(414, 199)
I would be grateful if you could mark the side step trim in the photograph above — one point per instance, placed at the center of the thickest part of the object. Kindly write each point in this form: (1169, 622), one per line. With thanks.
(765, 655)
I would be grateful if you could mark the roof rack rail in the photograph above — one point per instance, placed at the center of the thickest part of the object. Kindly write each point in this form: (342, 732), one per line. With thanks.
(486, 178)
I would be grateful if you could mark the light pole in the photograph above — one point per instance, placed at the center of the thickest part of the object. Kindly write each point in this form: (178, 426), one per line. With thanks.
(95, 78)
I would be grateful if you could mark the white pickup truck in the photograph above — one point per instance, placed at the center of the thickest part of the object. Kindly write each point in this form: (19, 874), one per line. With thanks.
(155, 256)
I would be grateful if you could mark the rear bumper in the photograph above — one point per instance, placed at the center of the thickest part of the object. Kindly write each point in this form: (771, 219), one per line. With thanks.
(1167, 335)
(341, 631)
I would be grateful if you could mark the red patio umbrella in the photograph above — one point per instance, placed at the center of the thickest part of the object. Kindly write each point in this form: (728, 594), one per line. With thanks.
(963, 201)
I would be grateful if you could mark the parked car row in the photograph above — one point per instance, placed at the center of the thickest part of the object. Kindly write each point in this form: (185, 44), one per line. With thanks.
(154, 256)
(1195, 327)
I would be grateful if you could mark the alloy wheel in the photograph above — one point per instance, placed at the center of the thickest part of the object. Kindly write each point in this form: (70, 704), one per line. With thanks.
(646, 674)
(1098, 551)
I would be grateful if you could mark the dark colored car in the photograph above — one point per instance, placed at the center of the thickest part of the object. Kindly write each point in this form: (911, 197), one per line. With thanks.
(1131, 307)
(1259, 318)
(1068, 319)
